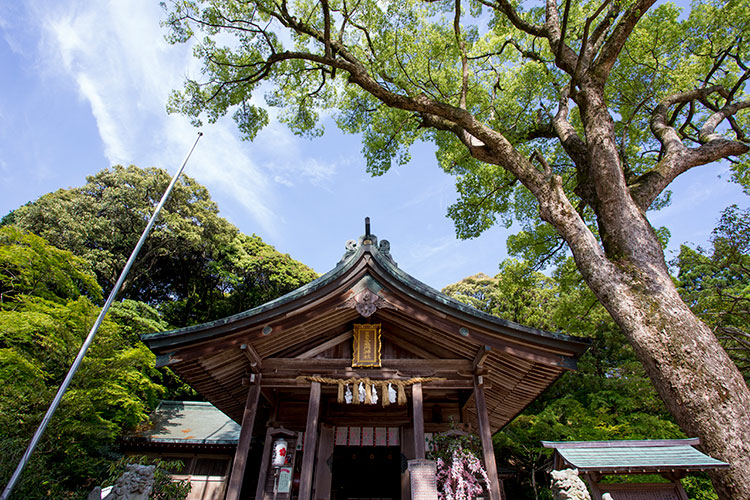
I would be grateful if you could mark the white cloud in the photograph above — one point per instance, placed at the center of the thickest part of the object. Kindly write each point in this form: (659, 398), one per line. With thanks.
(116, 54)
(439, 245)
(318, 173)
(283, 181)
(13, 11)
(109, 127)
(308, 171)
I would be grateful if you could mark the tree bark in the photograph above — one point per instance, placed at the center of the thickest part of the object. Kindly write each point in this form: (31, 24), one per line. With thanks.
(692, 373)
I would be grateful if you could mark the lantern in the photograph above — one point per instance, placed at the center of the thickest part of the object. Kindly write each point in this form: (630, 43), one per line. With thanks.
(279, 452)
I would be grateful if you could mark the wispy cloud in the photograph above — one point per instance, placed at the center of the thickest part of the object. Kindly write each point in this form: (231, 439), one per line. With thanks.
(115, 53)
(309, 171)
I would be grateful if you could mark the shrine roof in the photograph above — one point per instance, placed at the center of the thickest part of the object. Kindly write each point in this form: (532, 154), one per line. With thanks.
(368, 244)
(628, 457)
(188, 422)
(294, 330)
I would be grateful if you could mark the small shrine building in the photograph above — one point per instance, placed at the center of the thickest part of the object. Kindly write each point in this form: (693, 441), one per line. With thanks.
(673, 459)
(347, 377)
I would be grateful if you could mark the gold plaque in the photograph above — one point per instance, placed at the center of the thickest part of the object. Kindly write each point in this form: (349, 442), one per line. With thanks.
(366, 346)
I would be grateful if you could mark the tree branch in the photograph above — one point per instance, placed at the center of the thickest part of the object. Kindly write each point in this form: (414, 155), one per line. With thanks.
(326, 27)
(708, 131)
(512, 14)
(616, 41)
(565, 57)
(589, 49)
(464, 61)
(678, 158)
(576, 148)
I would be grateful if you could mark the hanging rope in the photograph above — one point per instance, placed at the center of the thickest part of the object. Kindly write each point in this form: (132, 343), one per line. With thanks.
(368, 384)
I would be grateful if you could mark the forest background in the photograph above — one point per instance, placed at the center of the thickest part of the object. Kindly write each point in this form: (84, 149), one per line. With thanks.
(61, 253)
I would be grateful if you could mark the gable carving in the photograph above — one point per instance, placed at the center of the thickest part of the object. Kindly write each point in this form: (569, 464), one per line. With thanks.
(366, 302)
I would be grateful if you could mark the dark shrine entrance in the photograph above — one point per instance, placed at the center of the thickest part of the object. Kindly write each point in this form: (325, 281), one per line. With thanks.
(366, 473)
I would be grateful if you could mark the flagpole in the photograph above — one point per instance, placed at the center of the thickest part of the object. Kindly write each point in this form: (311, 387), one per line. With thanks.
(82, 352)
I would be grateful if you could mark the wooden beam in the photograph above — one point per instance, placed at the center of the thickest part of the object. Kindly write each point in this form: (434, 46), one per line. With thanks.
(481, 356)
(407, 451)
(269, 396)
(488, 450)
(407, 346)
(418, 415)
(243, 446)
(326, 345)
(281, 382)
(311, 440)
(256, 363)
(403, 364)
(522, 348)
(464, 398)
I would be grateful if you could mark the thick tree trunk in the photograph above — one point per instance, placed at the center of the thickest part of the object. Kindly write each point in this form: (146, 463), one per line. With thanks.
(700, 385)
(692, 373)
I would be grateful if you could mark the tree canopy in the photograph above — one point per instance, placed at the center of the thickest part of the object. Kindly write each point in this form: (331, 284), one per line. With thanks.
(570, 118)
(195, 266)
(716, 283)
(46, 311)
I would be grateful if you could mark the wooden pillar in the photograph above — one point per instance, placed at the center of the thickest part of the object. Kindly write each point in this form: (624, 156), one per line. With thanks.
(488, 450)
(243, 446)
(323, 476)
(593, 479)
(407, 450)
(311, 440)
(264, 463)
(418, 415)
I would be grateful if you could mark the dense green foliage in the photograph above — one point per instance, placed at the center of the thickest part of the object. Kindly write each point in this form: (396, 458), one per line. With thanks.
(608, 397)
(195, 267)
(46, 312)
(715, 283)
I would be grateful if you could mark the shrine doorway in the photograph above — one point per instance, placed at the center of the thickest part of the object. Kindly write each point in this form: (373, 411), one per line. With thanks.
(366, 473)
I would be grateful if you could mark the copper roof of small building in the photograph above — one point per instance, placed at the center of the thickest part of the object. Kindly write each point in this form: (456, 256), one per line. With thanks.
(628, 457)
(188, 422)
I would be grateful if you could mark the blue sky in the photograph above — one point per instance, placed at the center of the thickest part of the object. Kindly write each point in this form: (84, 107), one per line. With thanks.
(84, 85)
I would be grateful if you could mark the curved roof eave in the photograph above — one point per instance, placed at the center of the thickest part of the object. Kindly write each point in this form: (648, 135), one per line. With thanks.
(193, 332)
(464, 311)
(408, 284)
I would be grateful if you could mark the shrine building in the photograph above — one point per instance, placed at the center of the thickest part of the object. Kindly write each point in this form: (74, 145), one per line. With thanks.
(339, 384)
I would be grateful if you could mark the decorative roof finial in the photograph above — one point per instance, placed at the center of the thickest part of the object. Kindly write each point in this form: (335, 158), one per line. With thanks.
(367, 227)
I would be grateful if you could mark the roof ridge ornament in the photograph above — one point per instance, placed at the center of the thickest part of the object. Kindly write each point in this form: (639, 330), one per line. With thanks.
(352, 246)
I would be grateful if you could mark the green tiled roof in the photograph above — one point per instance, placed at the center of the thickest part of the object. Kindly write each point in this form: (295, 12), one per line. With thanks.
(189, 422)
(634, 456)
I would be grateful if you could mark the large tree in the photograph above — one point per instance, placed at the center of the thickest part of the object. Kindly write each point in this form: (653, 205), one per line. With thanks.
(195, 266)
(607, 397)
(580, 114)
(716, 284)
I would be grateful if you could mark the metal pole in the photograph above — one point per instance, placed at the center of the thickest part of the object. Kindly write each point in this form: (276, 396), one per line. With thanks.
(79, 358)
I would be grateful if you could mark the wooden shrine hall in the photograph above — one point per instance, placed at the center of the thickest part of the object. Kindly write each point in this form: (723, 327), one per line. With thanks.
(337, 383)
